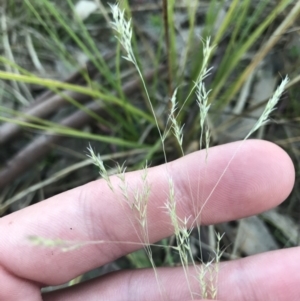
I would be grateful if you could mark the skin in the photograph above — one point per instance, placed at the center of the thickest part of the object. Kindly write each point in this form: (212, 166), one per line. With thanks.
(259, 178)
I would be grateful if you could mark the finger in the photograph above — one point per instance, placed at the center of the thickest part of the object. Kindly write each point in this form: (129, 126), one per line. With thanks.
(260, 176)
(13, 288)
(270, 276)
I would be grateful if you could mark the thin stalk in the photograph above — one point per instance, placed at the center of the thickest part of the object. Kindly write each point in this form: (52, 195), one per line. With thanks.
(167, 43)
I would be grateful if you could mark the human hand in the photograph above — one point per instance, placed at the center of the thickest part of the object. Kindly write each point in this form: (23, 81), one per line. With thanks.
(259, 178)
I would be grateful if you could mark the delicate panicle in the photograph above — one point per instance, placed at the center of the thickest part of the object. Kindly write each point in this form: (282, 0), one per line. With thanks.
(207, 51)
(202, 93)
(121, 171)
(173, 102)
(124, 30)
(177, 129)
(202, 100)
(99, 163)
(141, 200)
(264, 118)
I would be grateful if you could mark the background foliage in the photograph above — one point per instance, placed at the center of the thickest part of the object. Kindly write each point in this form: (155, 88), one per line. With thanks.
(64, 85)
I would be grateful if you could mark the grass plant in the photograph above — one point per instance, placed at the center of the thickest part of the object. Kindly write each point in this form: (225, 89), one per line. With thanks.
(208, 272)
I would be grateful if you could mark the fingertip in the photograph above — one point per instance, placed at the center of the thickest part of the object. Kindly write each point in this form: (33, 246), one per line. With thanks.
(277, 168)
(240, 179)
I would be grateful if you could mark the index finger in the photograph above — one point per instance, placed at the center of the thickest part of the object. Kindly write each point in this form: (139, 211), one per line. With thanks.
(260, 177)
